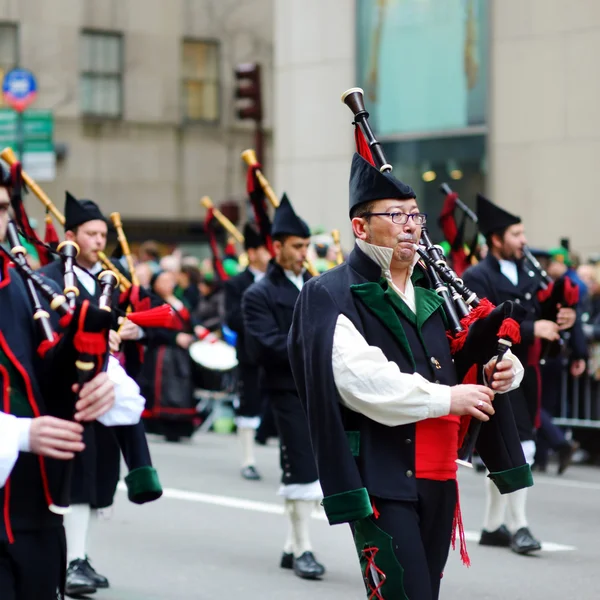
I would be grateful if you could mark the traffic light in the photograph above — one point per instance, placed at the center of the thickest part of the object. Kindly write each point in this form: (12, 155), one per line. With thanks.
(248, 89)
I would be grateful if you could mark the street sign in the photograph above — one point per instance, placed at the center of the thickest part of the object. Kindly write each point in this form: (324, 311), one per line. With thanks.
(19, 89)
(39, 159)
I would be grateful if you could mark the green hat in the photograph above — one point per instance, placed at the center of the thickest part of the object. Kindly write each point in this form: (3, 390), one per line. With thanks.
(560, 255)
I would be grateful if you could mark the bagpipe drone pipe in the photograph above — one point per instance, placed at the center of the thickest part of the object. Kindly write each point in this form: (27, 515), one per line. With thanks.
(477, 330)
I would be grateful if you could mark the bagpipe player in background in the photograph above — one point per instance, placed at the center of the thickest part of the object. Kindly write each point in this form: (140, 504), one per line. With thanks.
(97, 468)
(267, 308)
(502, 276)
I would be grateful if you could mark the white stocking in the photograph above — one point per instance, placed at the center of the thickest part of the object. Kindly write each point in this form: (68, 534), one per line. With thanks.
(495, 506)
(77, 524)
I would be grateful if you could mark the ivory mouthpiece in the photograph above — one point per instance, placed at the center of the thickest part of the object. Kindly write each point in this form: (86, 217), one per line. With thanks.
(352, 91)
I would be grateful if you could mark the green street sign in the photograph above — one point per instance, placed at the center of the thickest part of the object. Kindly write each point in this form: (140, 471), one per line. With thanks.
(38, 129)
(39, 159)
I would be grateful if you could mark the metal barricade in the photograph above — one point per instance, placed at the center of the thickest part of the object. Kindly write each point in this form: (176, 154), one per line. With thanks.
(579, 401)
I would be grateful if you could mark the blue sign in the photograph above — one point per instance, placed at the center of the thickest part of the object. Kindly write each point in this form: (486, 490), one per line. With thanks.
(19, 89)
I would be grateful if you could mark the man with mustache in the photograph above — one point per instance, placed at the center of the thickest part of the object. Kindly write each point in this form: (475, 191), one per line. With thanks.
(372, 364)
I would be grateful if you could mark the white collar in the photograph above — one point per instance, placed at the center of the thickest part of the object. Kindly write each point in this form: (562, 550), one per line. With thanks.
(297, 280)
(258, 275)
(383, 257)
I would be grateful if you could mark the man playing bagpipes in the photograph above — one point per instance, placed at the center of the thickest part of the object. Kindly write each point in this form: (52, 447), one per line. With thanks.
(32, 538)
(267, 308)
(248, 415)
(374, 370)
(503, 276)
(97, 469)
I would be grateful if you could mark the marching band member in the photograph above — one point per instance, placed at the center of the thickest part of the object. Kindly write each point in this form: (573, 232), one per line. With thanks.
(97, 469)
(267, 308)
(251, 399)
(372, 363)
(502, 276)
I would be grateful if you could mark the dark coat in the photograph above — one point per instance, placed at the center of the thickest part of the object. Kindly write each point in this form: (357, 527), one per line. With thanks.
(234, 319)
(268, 309)
(356, 456)
(24, 498)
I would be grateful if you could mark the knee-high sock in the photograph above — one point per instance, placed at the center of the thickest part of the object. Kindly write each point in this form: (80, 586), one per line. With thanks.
(246, 437)
(495, 506)
(77, 523)
(288, 547)
(516, 517)
(300, 521)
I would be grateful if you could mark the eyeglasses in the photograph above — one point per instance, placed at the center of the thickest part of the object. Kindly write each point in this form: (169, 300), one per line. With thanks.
(400, 218)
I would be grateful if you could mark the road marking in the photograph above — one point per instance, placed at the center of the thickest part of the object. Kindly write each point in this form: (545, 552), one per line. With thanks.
(277, 509)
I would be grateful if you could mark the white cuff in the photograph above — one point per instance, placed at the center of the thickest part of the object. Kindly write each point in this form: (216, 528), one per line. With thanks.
(439, 400)
(24, 427)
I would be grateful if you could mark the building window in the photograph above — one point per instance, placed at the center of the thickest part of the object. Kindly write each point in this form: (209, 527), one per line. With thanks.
(101, 77)
(200, 81)
(9, 50)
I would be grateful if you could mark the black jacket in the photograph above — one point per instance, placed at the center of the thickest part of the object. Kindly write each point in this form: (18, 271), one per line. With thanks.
(268, 308)
(487, 281)
(234, 290)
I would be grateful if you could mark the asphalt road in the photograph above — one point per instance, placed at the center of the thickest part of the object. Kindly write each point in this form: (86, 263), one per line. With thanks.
(214, 535)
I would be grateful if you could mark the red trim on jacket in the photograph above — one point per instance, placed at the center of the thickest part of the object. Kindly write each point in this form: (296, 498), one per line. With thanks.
(34, 408)
(6, 408)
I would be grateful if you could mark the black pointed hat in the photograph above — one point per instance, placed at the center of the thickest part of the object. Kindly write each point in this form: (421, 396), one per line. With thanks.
(78, 212)
(252, 237)
(287, 222)
(492, 218)
(367, 183)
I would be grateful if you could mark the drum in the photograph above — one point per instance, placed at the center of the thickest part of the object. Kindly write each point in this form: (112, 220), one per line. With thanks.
(214, 364)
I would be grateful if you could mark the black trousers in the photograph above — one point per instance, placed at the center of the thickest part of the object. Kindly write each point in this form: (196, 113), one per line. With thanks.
(251, 396)
(408, 543)
(34, 567)
(295, 449)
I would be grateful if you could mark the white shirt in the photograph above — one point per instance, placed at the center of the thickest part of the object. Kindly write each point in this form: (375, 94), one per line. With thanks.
(88, 281)
(297, 280)
(509, 269)
(258, 275)
(127, 410)
(370, 384)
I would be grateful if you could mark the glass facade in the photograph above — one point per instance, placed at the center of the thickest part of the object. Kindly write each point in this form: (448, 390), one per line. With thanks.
(423, 65)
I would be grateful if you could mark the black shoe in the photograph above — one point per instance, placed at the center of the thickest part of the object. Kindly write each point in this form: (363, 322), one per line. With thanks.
(499, 538)
(250, 473)
(78, 583)
(539, 467)
(523, 542)
(99, 580)
(287, 561)
(307, 567)
(565, 455)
